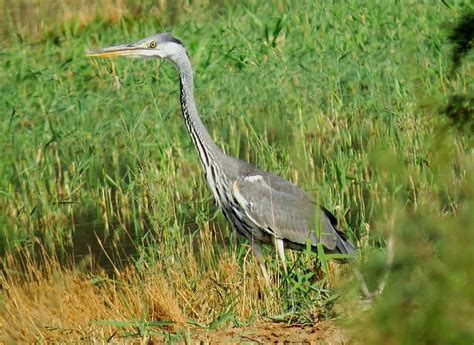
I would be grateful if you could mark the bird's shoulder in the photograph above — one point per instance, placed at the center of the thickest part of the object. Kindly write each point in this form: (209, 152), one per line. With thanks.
(250, 177)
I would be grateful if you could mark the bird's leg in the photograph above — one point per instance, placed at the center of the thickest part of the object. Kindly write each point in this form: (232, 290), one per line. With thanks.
(280, 248)
(258, 253)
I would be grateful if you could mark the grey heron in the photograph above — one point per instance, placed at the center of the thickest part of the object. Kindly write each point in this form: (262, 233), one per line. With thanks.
(262, 207)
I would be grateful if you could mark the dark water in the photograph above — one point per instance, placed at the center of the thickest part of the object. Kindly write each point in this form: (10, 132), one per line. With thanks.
(96, 246)
(87, 244)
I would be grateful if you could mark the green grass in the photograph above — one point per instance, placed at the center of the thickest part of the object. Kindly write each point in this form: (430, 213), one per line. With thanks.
(344, 100)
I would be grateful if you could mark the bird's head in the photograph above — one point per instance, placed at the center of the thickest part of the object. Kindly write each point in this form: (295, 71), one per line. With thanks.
(160, 46)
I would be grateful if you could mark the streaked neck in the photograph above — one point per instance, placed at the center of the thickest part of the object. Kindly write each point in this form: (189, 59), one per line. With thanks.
(203, 142)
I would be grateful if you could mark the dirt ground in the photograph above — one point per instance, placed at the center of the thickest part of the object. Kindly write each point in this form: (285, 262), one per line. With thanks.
(276, 333)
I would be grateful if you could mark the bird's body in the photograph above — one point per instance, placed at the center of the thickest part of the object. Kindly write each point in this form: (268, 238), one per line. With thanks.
(263, 208)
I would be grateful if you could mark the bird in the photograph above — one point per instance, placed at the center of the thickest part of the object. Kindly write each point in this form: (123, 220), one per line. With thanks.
(263, 208)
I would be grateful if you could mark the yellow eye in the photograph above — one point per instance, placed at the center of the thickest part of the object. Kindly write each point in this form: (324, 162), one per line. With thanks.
(152, 45)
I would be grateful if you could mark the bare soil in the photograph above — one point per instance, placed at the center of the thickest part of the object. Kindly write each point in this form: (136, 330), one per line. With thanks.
(276, 333)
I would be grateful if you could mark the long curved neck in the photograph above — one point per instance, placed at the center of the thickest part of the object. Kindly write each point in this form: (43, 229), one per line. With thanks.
(205, 146)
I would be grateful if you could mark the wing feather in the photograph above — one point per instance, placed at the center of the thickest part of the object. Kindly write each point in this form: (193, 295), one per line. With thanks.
(284, 210)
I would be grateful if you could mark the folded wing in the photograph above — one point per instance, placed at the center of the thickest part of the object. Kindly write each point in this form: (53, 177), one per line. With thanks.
(285, 211)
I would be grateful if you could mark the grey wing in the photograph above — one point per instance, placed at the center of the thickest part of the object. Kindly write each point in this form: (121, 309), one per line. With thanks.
(284, 210)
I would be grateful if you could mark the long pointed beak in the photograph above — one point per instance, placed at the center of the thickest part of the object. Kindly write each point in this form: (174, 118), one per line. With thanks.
(121, 50)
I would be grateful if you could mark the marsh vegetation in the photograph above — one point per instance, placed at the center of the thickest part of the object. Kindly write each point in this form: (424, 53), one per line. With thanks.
(108, 230)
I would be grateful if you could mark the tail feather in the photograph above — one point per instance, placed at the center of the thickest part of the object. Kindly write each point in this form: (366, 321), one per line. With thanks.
(344, 246)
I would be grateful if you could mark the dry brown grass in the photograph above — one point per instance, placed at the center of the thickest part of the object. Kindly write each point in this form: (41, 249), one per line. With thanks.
(63, 305)
(44, 301)
(35, 19)
(55, 304)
